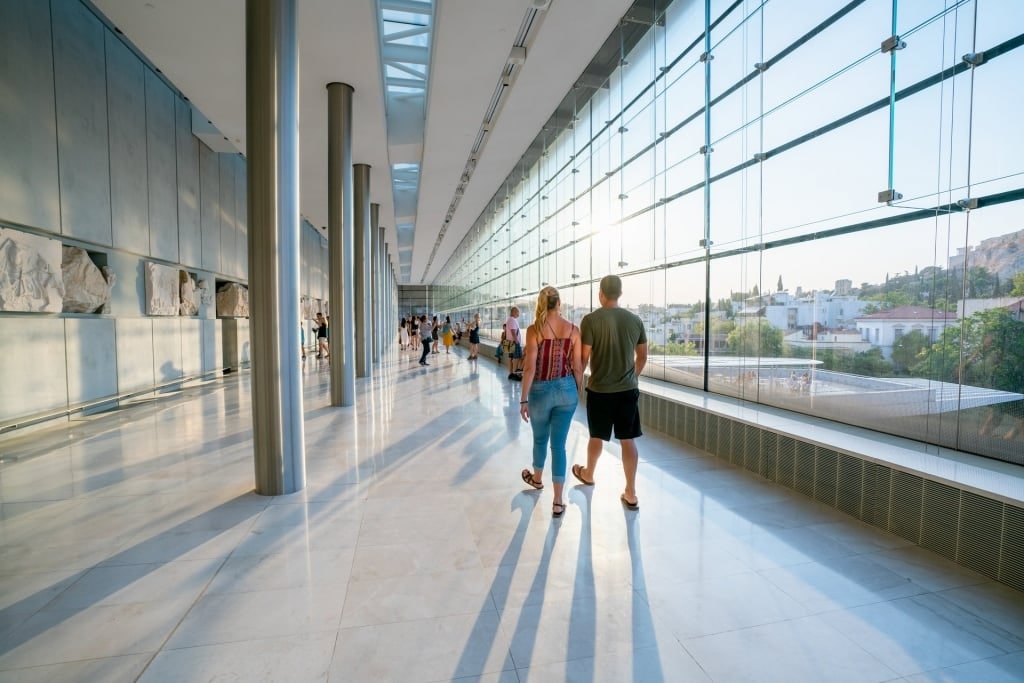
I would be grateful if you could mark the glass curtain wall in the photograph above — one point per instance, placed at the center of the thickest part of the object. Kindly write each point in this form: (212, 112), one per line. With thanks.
(815, 206)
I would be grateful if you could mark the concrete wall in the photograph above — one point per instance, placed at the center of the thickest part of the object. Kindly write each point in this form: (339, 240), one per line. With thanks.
(96, 150)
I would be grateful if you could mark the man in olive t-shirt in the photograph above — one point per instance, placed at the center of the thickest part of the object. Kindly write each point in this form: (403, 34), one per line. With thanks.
(615, 344)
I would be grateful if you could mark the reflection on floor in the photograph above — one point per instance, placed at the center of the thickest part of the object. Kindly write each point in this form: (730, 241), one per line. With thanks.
(132, 547)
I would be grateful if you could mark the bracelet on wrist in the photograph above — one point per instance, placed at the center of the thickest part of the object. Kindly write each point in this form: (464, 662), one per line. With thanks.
(522, 402)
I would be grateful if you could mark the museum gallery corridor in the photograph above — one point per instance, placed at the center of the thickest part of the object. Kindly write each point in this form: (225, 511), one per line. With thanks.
(133, 547)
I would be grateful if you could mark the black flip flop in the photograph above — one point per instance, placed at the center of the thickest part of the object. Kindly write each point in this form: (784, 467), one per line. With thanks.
(635, 505)
(557, 509)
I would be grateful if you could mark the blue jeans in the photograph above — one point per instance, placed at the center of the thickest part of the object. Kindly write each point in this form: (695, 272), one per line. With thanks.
(552, 404)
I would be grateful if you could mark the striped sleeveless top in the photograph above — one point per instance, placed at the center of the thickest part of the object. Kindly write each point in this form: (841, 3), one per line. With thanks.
(553, 360)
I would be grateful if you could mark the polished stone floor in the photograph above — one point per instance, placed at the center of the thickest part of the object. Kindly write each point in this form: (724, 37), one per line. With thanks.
(132, 547)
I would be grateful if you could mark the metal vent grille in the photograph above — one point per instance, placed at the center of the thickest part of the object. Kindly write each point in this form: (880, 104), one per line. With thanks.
(770, 455)
(877, 491)
(752, 449)
(850, 484)
(736, 443)
(981, 529)
(1011, 561)
(826, 476)
(804, 481)
(940, 516)
(711, 435)
(978, 532)
(675, 420)
(690, 424)
(786, 461)
(905, 516)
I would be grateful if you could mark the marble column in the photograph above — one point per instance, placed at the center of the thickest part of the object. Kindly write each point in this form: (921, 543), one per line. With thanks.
(272, 145)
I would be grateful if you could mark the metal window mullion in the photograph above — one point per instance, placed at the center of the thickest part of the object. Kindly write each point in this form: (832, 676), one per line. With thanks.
(707, 191)
(892, 98)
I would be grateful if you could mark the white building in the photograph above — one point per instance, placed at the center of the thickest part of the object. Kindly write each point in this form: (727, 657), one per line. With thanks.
(821, 309)
(882, 329)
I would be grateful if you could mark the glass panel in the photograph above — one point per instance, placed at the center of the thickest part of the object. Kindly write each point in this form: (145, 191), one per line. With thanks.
(678, 359)
(818, 302)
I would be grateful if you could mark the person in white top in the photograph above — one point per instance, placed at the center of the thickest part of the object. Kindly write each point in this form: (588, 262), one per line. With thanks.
(515, 352)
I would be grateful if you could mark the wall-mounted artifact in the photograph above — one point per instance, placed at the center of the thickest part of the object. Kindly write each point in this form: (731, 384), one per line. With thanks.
(163, 296)
(206, 293)
(189, 294)
(30, 274)
(232, 301)
(86, 287)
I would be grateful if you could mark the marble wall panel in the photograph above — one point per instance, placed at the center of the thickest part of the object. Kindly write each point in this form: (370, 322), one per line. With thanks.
(167, 363)
(79, 83)
(191, 346)
(134, 354)
(32, 366)
(92, 363)
(30, 272)
(128, 296)
(229, 264)
(243, 340)
(212, 340)
(190, 243)
(304, 241)
(161, 158)
(241, 216)
(129, 184)
(209, 207)
(163, 294)
(28, 122)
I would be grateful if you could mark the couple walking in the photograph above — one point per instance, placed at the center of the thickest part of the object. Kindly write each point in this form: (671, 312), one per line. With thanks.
(613, 341)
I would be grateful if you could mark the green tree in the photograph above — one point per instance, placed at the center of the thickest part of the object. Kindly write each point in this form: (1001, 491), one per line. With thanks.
(907, 348)
(988, 353)
(755, 337)
(870, 363)
(1018, 284)
(779, 289)
(979, 282)
(871, 309)
(717, 326)
(674, 349)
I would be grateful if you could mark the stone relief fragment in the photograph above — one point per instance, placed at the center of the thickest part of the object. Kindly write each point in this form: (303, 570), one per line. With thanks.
(206, 293)
(232, 301)
(162, 294)
(189, 294)
(30, 273)
(111, 277)
(87, 288)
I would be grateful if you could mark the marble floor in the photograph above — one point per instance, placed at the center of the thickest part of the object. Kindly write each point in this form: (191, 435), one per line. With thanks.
(132, 547)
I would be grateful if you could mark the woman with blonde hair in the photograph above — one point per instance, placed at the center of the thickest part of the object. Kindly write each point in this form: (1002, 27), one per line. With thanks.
(552, 382)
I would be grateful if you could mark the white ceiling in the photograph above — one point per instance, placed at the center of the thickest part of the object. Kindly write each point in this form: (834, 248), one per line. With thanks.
(200, 46)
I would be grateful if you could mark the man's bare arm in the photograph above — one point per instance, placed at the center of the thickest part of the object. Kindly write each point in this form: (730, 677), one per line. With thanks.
(641, 358)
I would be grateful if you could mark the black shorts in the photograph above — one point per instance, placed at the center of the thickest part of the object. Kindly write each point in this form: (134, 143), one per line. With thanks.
(620, 410)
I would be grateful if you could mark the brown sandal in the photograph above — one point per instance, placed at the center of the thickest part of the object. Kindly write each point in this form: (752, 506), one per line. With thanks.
(527, 476)
(577, 471)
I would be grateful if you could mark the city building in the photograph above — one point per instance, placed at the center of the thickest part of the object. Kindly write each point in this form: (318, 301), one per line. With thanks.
(884, 328)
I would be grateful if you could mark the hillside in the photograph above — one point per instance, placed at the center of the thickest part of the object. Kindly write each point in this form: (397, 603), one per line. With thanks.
(1002, 255)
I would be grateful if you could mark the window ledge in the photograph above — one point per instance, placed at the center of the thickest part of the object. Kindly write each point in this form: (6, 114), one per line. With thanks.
(990, 478)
